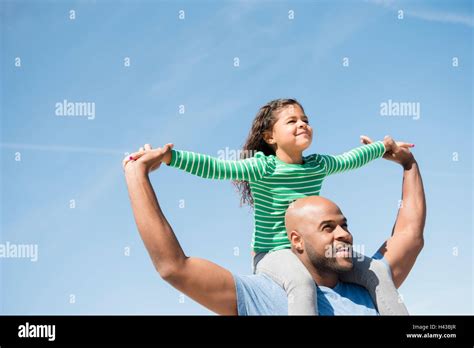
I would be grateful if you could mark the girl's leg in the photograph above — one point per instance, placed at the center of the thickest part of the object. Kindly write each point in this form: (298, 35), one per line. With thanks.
(373, 275)
(256, 259)
(286, 270)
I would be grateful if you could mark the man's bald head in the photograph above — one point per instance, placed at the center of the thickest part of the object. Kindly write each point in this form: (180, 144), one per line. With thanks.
(303, 214)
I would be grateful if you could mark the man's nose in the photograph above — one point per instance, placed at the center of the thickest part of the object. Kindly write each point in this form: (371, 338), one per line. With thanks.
(342, 234)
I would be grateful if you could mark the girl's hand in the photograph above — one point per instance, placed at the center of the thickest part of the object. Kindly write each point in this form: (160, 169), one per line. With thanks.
(389, 143)
(147, 158)
(398, 152)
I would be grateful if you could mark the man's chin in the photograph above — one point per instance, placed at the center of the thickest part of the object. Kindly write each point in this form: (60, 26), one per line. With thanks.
(344, 265)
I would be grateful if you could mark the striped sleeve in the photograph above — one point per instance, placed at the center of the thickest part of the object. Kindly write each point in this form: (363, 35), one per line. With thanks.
(353, 159)
(204, 166)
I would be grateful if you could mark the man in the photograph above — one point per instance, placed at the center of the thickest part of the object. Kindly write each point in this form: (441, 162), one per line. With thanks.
(314, 224)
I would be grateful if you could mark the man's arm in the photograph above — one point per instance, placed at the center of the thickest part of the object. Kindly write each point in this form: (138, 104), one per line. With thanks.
(406, 242)
(205, 282)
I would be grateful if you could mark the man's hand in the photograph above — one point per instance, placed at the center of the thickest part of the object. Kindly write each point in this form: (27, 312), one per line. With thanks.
(398, 152)
(148, 159)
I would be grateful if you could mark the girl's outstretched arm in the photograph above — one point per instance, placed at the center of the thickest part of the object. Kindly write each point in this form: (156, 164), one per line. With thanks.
(359, 156)
(205, 166)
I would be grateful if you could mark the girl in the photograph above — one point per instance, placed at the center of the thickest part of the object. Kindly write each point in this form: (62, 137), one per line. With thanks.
(272, 174)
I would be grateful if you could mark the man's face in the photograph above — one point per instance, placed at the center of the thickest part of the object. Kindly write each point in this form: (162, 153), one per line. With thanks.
(327, 240)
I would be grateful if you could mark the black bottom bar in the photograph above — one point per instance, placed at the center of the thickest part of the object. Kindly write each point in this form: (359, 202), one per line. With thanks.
(172, 330)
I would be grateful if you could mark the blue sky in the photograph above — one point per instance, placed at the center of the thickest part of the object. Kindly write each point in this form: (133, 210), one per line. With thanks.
(190, 62)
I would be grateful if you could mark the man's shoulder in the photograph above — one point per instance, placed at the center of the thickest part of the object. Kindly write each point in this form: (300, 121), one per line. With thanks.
(259, 295)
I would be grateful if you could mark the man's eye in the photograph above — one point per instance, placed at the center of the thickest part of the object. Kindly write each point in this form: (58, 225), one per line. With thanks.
(291, 121)
(327, 227)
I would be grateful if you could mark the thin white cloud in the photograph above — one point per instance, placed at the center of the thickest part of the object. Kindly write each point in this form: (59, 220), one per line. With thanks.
(61, 148)
(104, 183)
(428, 14)
(107, 180)
(446, 17)
(385, 3)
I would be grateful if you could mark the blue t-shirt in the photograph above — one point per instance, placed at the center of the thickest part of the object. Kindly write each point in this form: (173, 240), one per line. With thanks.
(260, 295)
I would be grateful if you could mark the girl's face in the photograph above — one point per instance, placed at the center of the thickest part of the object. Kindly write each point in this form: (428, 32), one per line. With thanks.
(291, 132)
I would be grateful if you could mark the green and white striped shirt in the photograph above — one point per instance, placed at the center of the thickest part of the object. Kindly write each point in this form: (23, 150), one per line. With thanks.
(275, 184)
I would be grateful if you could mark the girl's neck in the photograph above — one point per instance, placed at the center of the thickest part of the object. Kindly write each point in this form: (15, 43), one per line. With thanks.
(290, 158)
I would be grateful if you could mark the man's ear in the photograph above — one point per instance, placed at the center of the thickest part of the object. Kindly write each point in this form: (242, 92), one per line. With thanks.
(296, 241)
